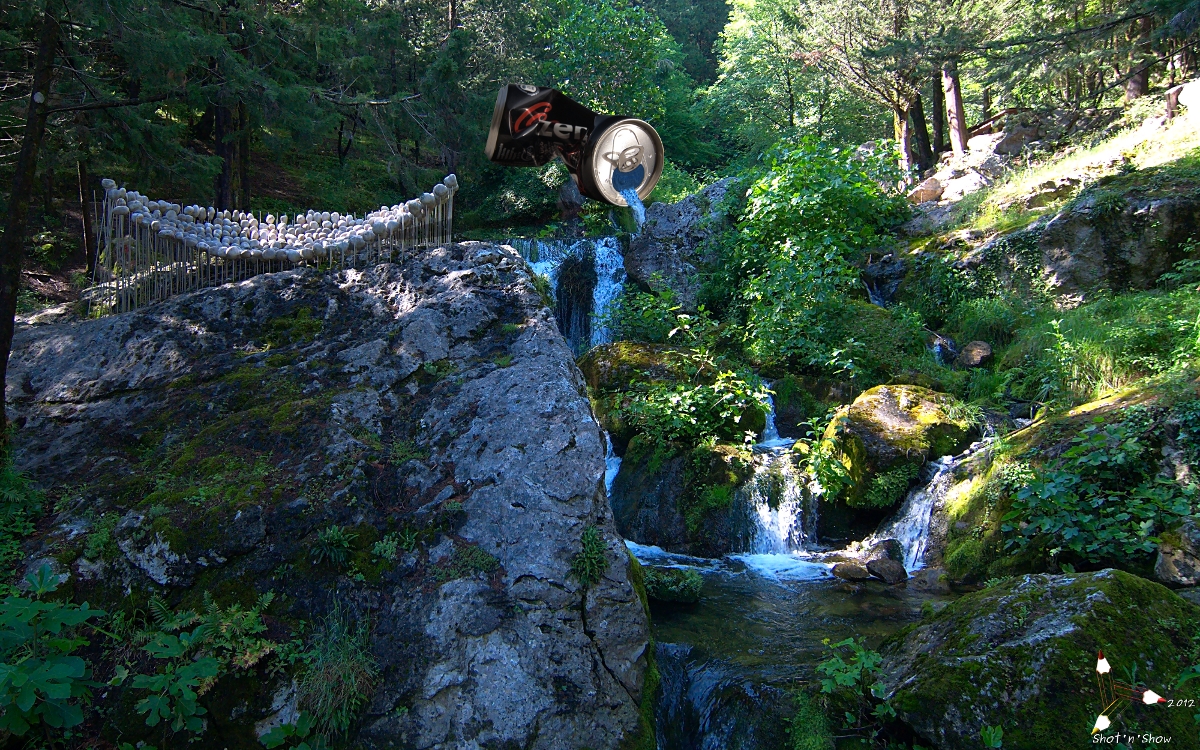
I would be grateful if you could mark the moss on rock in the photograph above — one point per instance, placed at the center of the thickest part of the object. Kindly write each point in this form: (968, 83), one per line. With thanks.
(888, 428)
(1021, 655)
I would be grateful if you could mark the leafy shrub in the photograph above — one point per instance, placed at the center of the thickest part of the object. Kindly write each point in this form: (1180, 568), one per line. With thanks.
(648, 317)
(333, 546)
(1102, 498)
(688, 413)
(888, 488)
(42, 682)
(808, 215)
(340, 673)
(20, 503)
(590, 563)
(299, 732)
(850, 679)
(991, 319)
(681, 585)
(224, 640)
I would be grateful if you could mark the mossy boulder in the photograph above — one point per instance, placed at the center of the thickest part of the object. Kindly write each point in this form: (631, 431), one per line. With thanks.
(1022, 656)
(886, 433)
(974, 509)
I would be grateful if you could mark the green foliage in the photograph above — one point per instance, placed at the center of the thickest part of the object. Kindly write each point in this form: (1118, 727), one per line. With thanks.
(813, 209)
(465, 561)
(590, 563)
(689, 413)
(888, 488)
(223, 640)
(388, 548)
(850, 677)
(174, 696)
(42, 682)
(992, 737)
(648, 317)
(299, 328)
(681, 585)
(333, 546)
(403, 451)
(20, 503)
(298, 733)
(808, 728)
(614, 57)
(339, 673)
(1102, 498)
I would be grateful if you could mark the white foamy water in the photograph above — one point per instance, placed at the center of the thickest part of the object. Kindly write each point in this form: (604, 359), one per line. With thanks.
(785, 567)
(612, 465)
(770, 436)
(910, 525)
(610, 281)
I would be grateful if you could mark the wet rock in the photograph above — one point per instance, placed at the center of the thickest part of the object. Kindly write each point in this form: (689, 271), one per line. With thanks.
(656, 500)
(706, 705)
(888, 571)
(886, 549)
(670, 247)
(927, 190)
(1178, 561)
(851, 571)
(1021, 655)
(222, 431)
(974, 354)
(932, 580)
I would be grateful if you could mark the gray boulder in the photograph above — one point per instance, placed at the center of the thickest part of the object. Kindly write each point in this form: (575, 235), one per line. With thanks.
(670, 244)
(217, 434)
(851, 571)
(1178, 561)
(888, 571)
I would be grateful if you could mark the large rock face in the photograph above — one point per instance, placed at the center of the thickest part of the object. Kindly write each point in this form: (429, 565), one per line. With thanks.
(1022, 656)
(1127, 243)
(213, 437)
(669, 244)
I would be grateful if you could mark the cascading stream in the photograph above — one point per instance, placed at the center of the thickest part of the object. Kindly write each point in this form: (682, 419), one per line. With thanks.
(911, 524)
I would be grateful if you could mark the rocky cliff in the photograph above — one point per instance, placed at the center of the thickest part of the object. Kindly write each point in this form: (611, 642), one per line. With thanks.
(408, 447)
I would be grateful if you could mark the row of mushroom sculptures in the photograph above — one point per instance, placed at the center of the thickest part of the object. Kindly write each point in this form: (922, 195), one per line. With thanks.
(153, 249)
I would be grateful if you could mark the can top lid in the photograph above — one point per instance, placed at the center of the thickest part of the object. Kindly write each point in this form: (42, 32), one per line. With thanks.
(626, 156)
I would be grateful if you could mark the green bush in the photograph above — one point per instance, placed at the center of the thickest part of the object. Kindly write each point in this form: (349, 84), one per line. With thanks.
(888, 488)
(850, 679)
(810, 213)
(466, 561)
(20, 504)
(333, 546)
(681, 585)
(42, 681)
(688, 413)
(1103, 498)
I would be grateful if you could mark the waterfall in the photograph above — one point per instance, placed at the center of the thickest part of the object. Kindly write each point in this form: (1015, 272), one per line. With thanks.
(635, 205)
(582, 299)
(783, 516)
(612, 465)
(770, 435)
(910, 525)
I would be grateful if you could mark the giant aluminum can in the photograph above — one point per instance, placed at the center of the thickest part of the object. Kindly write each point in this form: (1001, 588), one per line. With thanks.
(607, 155)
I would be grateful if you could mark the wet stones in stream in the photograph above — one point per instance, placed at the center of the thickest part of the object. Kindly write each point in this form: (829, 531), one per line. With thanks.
(706, 705)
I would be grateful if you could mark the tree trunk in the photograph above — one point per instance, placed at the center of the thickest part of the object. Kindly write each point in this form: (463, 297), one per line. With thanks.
(85, 205)
(939, 116)
(223, 138)
(1140, 59)
(987, 103)
(903, 137)
(452, 15)
(955, 112)
(924, 151)
(244, 156)
(16, 223)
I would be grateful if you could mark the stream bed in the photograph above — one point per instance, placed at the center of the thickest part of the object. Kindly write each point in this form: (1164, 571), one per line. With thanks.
(728, 662)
